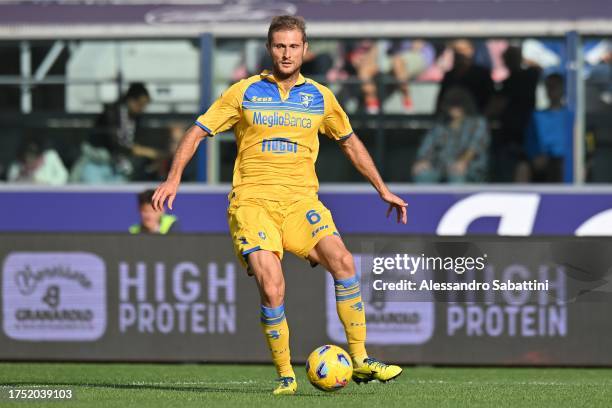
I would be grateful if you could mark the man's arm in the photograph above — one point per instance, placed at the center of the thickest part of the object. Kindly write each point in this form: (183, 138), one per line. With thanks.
(186, 149)
(356, 152)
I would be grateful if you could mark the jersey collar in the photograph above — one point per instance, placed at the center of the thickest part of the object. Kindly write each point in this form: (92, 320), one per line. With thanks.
(270, 77)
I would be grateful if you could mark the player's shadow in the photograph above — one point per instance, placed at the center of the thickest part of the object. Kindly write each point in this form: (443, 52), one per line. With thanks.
(200, 388)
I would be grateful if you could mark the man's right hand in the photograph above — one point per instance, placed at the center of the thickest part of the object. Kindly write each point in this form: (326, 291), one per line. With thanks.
(165, 191)
(185, 151)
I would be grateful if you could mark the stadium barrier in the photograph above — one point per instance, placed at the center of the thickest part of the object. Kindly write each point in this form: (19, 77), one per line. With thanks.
(185, 298)
(436, 210)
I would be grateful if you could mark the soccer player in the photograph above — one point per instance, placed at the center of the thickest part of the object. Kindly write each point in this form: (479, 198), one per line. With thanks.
(273, 205)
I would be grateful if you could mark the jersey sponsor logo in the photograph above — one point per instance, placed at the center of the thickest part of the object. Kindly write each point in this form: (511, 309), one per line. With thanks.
(279, 145)
(319, 229)
(277, 119)
(261, 99)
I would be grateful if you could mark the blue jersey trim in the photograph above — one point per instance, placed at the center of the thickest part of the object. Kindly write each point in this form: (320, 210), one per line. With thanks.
(265, 95)
(204, 128)
(277, 108)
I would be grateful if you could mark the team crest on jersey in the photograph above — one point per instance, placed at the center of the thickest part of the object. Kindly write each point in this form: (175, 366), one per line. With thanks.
(306, 99)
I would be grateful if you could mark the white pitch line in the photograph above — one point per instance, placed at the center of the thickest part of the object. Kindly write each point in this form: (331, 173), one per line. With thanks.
(550, 383)
(250, 382)
(151, 383)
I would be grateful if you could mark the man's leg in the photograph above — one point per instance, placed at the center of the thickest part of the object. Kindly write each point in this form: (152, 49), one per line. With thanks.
(333, 255)
(266, 268)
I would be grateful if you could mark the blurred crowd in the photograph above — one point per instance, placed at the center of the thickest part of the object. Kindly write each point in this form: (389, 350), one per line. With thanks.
(111, 152)
(488, 125)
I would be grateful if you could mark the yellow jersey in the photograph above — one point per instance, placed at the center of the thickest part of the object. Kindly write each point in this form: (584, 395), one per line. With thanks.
(276, 134)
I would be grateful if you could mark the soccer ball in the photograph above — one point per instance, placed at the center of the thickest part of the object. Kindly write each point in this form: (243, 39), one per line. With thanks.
(329, 368)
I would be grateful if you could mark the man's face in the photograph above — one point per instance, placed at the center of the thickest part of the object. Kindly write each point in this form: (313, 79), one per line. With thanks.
(149, 217)
(456, 112)
(464, 52)
(554, 90)
(287, 50)
(137, 105)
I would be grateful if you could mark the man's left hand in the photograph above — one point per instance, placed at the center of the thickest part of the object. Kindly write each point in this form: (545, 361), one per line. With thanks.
(399, 205)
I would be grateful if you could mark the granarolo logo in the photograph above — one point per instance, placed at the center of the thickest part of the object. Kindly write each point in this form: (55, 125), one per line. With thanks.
(388, 321)
(54, 296)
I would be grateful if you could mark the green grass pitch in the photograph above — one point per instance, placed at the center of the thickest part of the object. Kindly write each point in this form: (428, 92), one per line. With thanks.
(208, 385)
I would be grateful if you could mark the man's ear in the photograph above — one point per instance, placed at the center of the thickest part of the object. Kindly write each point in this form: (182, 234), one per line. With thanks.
(305, 49)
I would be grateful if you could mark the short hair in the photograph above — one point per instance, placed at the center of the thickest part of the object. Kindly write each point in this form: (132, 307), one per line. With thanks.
(461, 97)
(555, 78)
(137, 90)
(31, 144)
(286, 23)
(146, 197)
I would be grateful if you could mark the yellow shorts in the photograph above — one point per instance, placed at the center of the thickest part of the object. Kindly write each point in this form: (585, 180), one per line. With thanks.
(295, 226)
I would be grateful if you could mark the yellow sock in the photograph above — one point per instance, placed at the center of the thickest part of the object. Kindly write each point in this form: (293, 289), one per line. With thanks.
(351, 314)
(276, 331)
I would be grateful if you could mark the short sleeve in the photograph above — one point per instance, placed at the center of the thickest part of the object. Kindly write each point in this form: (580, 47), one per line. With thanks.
(224, 112)
(335, 124)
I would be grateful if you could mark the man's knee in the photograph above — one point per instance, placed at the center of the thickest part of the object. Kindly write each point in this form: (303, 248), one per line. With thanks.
(342, 265)
(273, 292)
(266, 268)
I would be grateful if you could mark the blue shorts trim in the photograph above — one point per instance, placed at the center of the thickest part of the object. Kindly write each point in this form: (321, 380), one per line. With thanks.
(346, 137)
(248, 251)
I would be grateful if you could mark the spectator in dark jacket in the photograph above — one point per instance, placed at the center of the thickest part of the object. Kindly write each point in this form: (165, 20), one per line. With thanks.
(109, 152)
(475, 79)
(513, 106)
